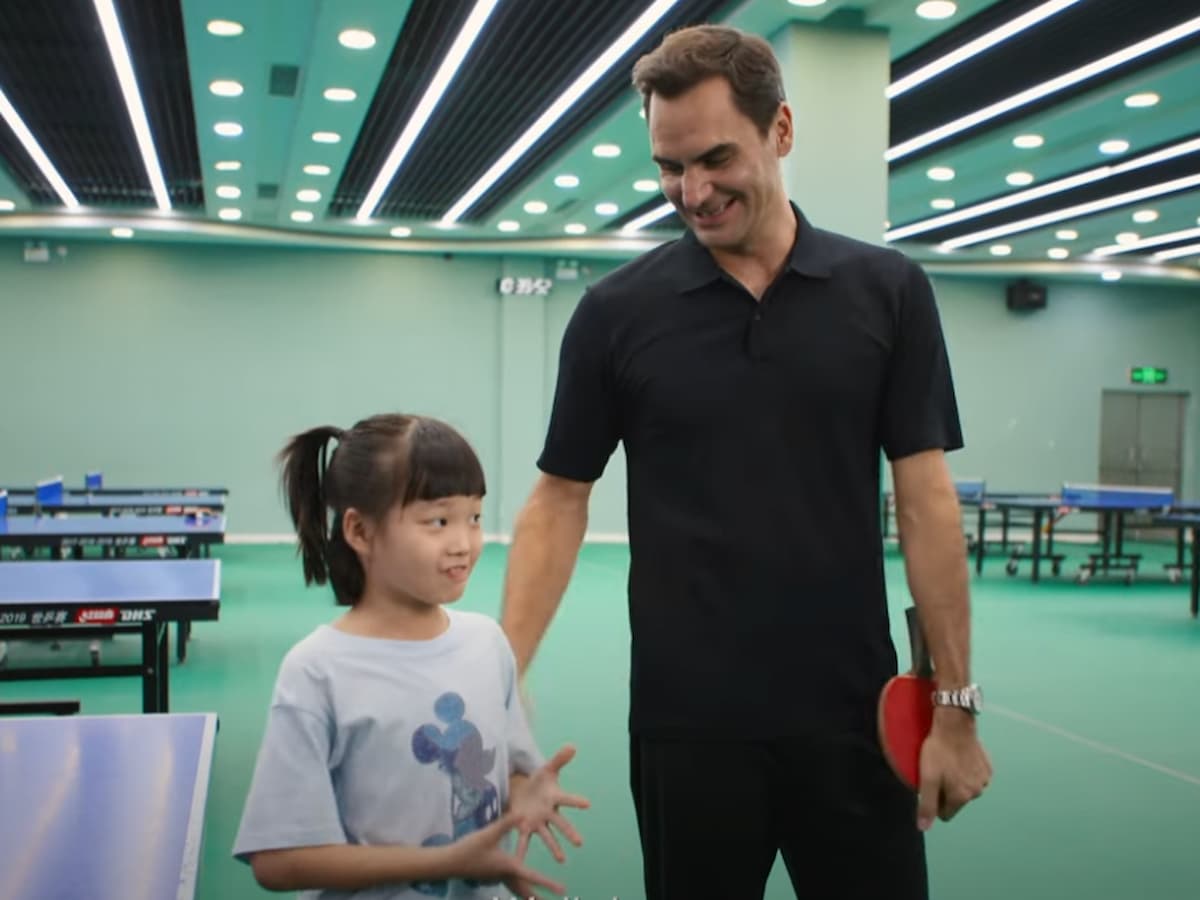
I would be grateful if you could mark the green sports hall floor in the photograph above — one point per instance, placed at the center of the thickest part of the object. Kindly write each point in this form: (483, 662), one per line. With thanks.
(1093, 724)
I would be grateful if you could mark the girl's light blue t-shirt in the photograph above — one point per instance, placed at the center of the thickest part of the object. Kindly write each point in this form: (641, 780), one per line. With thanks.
(377, 741)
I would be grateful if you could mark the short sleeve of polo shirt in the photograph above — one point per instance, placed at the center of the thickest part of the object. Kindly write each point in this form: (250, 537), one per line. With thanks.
(920, 411)
(584, 425)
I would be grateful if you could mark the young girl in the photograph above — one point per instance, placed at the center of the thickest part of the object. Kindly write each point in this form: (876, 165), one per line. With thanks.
(396, 756)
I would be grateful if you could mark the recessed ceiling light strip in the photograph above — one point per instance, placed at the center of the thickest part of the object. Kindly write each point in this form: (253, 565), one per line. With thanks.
(1100, 173)
(980, 45)
(35, 151)
(1070, 212)
(119, 52)
(1156, 241)
(471, 30)
(649, 218)
(1037, 92)
(1177, 253)
(559, 107)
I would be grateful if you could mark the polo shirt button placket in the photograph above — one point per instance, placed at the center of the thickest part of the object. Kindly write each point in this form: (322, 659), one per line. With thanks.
(756, 337)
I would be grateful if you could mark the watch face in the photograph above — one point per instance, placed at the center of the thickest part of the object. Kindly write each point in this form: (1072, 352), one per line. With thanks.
(974, 696)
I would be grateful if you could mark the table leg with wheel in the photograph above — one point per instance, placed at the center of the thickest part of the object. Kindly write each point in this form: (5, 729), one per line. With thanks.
(1195, 570)
(1037, 542)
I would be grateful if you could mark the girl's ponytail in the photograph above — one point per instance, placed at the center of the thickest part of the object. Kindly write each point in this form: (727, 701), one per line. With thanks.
(304, 462)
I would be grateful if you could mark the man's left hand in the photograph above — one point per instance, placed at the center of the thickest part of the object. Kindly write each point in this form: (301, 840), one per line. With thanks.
(955, 769)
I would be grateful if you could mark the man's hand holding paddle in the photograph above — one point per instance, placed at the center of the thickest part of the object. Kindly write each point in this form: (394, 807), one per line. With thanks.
(929, 736)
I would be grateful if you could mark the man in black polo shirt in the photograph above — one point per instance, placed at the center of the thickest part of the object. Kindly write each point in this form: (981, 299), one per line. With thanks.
(754, 370)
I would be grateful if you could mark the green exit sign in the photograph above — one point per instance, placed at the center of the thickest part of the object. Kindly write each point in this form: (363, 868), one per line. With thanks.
(1147, 375)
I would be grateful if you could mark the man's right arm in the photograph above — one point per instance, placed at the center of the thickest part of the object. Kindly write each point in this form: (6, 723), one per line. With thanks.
(547, 536)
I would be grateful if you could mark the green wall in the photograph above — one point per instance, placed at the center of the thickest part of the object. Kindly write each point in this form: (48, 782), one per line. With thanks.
(192, 364)
(1029, 384)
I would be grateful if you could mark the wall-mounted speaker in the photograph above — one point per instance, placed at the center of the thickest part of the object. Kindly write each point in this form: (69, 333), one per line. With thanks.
(1025, 294)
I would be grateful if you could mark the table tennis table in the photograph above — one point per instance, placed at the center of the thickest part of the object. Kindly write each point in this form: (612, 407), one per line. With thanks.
(972, 492)
(1187, 521)
(188, 535)
(1041, 509)
(157, 489)
(113, 503)
(1180, 566)
(1112, 503)
(104, 807)
(93, 484)
(80, 598)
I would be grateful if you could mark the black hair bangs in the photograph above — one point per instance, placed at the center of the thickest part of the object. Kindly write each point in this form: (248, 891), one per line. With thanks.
(441, 463)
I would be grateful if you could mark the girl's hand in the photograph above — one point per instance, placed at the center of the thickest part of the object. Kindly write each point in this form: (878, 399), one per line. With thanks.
(535, 801)
(478, 856)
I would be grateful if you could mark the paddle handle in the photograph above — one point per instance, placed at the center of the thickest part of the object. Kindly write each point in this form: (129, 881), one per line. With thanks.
(922, 665)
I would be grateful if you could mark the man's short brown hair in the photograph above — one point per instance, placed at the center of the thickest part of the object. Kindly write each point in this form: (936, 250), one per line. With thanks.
(692, 55)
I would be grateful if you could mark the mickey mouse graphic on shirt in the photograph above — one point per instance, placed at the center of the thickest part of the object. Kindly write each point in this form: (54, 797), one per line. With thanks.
(458, 750)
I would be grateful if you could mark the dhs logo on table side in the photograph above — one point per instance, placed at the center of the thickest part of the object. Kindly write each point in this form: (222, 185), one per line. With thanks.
(110, 616)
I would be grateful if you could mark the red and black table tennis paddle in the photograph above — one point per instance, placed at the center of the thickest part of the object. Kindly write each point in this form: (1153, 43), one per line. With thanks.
(906, 708)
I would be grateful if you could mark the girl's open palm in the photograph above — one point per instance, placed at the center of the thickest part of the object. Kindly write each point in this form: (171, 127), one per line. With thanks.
(536, 806)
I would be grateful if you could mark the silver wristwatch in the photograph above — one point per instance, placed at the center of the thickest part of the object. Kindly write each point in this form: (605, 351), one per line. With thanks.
(969, 698)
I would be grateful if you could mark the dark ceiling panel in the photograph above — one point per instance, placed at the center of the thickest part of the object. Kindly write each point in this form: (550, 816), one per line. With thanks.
(56, 71)
(964, 32)
(154, 32)
(55, 68)
(428, 33)
(528, 55)
(1075, 37)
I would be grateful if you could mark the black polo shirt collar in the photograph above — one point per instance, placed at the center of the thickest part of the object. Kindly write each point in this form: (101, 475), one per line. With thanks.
(692, 266)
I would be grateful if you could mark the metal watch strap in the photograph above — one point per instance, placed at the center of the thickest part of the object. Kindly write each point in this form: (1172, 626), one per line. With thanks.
(961, 698)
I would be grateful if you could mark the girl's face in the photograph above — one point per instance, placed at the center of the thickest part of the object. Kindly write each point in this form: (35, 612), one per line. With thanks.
(425, 551)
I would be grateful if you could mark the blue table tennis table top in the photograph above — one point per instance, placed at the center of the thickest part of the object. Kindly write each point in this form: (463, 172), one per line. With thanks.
(103, 807)
(149, 489)
(970, 489)
(97, 581)
(82, 499)
(125, 489)
(26, 526)
(1184, 517)
(1087, 497)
